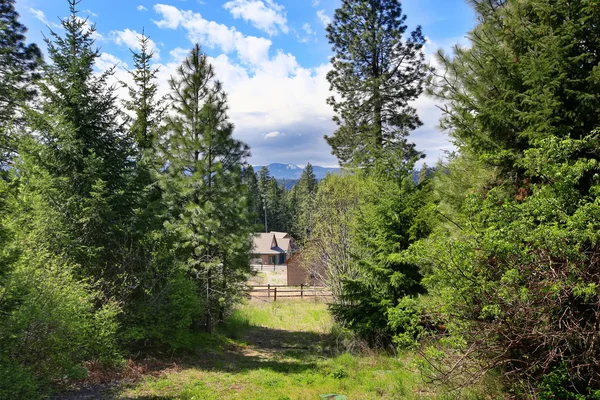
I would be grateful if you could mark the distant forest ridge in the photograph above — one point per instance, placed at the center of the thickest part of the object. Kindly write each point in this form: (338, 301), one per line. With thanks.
(289, 174)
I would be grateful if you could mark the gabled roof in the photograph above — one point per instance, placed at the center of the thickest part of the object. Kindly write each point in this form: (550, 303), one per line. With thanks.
(281, 235)
(266, 243)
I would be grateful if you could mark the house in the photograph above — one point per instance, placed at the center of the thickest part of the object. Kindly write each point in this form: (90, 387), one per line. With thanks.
(272, 248)
(298, 273)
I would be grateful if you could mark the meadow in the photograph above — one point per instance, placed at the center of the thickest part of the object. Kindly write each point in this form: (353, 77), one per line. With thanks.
(290, 350)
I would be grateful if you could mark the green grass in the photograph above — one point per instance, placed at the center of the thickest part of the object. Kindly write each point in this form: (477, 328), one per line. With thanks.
(281, 351)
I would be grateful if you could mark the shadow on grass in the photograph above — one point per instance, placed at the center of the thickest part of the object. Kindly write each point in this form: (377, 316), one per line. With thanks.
(262, 348)
(255, 348)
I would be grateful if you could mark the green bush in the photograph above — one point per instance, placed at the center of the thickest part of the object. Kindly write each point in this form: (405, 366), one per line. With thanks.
(165, 317)
(16, 382)
(54, 325)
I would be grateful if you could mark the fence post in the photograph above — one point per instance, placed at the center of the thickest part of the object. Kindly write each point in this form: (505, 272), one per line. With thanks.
(275, 295)
(269, 291)
(301, 291)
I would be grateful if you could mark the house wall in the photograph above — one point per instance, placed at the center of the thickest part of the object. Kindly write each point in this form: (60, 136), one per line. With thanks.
(296, 275)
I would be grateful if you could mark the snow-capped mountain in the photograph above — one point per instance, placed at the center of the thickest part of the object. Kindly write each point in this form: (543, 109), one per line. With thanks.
(291, 171)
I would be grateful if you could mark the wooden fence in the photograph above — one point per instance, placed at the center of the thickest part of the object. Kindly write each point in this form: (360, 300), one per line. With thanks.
(267, 267)
(274, 292)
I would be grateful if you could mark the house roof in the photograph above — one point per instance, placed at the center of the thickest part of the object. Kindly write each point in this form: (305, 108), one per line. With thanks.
(266, 243)
(281, 235)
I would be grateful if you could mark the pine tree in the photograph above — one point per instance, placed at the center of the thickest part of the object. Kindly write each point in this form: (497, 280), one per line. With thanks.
(522, 100)
(376, 75)
(19, 67)
(390, 217)
(528, 75)
(204, 183)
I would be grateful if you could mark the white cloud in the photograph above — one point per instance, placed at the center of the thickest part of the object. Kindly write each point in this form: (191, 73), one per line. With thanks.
(272, 135)
(324, 18)
(315, 3)
(107, 61)
(141, 8)
(130, 38)
(90, 12)
(39, 14)
(306, 28)
(250, 49)
(268, 17)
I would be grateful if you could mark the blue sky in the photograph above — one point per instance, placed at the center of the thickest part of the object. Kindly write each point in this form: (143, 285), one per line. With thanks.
(272, 56)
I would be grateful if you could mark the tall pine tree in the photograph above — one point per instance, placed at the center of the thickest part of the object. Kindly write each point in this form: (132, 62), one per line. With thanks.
(376, 74)
(204, 183)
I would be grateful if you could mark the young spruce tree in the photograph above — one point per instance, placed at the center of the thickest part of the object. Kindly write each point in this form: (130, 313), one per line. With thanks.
(79, 159)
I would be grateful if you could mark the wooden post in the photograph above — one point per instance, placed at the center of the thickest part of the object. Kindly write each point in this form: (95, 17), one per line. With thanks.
(269, 291)
(301, 291)
(275, 295)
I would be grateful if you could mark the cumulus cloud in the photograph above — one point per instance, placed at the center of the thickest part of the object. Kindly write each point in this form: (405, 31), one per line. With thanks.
(107, 61)
(324, 18)
(277, 105)
(272, 135)
(141, 8)
(130, 38)
(267, 16)
(250, 49)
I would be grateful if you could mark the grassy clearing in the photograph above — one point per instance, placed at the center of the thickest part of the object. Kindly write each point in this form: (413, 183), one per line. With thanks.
(284, 350)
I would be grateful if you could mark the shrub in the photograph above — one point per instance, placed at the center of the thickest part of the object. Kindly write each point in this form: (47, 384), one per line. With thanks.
(520, 279)
(55, 324)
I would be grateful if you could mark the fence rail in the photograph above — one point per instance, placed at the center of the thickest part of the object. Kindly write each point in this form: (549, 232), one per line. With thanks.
(268, 267)
(272, 292)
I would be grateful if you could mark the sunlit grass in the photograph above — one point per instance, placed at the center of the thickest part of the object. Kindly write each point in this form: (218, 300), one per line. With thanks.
(277, 351)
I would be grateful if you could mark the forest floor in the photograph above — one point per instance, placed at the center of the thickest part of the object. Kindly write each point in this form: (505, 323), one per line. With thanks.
(282, 351)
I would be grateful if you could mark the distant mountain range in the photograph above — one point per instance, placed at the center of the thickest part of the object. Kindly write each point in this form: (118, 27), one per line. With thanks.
(291, 171)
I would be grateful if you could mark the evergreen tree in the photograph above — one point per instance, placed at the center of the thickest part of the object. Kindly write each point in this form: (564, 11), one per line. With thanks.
(142, 102)
(521, 246)
(80, 156)
(254, 199)
(530, 74)
(302, 209)
(377, 75)
(19, 67)
(204, 183)
(390, 216)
